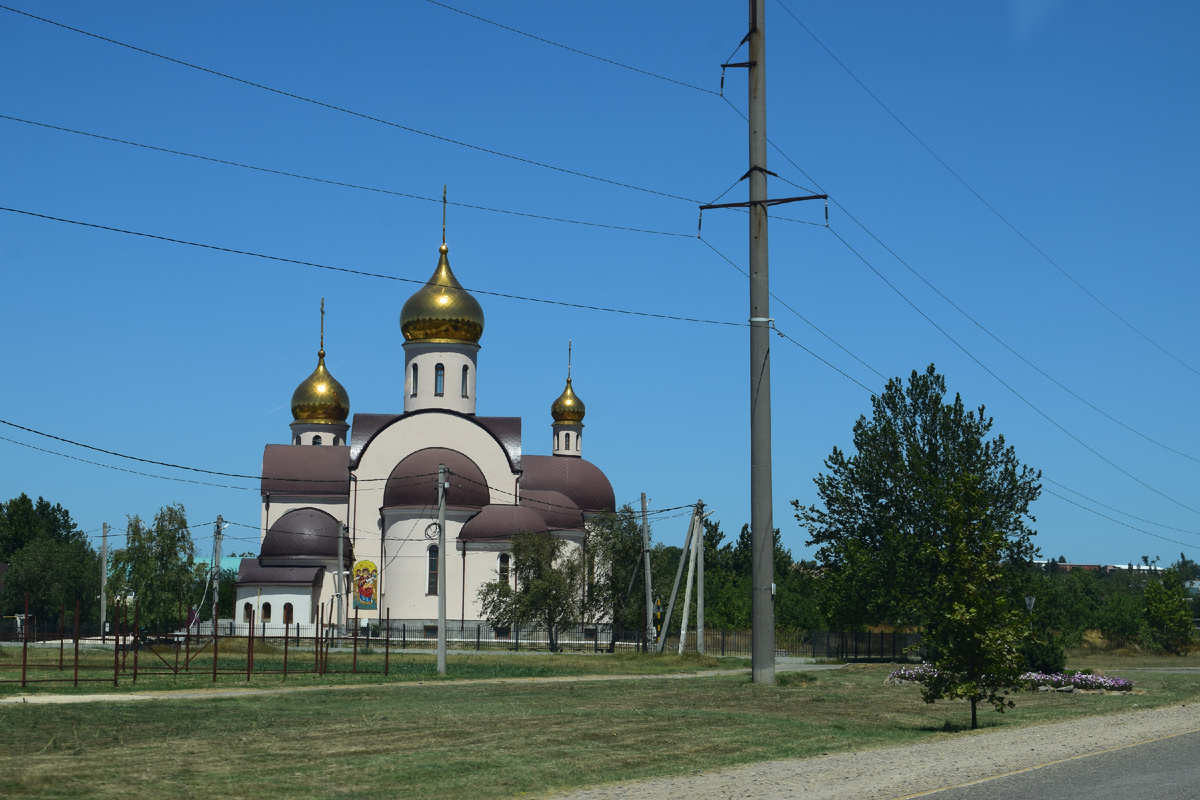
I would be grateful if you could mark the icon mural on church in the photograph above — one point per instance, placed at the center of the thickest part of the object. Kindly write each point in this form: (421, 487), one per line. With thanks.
(366, 585)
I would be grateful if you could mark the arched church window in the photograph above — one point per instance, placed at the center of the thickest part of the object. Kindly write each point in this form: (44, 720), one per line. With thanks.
(439, 380)
(504, 568)
(317, 440)
(431, 588)
(466, 371)
(287, 613)
(566, 441)
(246, 610)
(414, 381)
(577, 438)
(266, 613)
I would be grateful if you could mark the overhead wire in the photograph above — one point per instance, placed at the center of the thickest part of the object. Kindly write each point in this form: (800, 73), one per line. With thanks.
(342, 184)
(363, 273)
(343, 110)
(982, 200)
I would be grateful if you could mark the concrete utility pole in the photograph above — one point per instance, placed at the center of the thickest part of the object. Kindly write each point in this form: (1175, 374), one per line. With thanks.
(700, 587)
(103, 583)
(339, 580)
(216, 571)
(762, 529)
(441, 568)
(651, 633)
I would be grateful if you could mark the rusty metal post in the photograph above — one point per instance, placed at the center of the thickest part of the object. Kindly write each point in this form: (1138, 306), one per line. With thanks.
(354, 658)
(317, 641)
(287, 630)
(116, 644)
(387, 641)
(216, 637)
(62, 613)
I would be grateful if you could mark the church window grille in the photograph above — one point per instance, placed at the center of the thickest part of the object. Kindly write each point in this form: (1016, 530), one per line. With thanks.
(466, 372)
(566, 441)
(317, 441)
(266, 613)
(432, 586)
(287, 613)
(414, 381)
(247, 609)
(439, 380)
(504, 571)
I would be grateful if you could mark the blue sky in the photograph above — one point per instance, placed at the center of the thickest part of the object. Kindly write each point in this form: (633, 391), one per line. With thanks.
(1032, 163)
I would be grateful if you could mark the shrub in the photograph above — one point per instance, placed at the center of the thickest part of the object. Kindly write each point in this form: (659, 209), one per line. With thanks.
(1046, 656)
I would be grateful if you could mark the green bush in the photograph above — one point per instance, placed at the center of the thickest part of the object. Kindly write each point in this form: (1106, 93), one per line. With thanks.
(1047, 656)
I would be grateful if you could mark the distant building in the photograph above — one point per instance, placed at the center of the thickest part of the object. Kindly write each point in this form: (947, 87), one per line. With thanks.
(373, 483)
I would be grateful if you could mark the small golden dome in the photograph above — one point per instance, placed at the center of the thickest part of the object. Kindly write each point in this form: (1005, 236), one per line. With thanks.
(568, 408)
(442, 310)
(320, 398)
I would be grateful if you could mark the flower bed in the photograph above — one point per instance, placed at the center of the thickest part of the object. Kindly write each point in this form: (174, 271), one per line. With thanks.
(1081, 681)
(1063, 681)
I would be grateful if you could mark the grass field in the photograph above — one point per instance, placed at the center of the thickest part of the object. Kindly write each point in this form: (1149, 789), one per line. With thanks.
(480, 740)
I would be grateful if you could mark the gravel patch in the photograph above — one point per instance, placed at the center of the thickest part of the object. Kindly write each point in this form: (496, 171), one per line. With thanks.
(897, 772)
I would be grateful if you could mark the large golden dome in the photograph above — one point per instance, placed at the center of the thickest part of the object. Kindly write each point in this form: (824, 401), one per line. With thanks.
(320, 398)
(442, 310)
(568, 408)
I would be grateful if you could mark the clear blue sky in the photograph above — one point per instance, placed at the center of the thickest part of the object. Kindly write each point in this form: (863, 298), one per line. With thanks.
(1035, 163)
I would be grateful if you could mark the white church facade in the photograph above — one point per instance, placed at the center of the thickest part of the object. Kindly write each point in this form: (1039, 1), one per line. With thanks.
(365, 488)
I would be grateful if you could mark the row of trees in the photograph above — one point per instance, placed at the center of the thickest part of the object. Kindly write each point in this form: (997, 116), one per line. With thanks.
(53, 563)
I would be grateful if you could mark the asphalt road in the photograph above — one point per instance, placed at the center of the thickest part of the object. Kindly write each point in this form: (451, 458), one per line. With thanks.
(1166, 769)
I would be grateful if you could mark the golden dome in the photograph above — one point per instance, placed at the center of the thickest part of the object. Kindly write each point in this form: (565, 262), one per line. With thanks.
(442, 310)
(568, 408)
(320, 398)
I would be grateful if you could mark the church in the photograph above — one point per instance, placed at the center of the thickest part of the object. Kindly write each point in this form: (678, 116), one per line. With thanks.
(362, 496)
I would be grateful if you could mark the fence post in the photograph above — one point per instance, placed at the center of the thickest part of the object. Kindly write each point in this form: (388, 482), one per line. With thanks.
(477, 632)
(516, 638)
(354, 644)
(62, 613)
(216, 637)
(287, 631)
(250, 644)
(387, 641)
(116, 645)
(317, 641)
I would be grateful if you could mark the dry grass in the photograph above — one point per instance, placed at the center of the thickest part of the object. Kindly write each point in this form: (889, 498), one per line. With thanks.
(482, 740)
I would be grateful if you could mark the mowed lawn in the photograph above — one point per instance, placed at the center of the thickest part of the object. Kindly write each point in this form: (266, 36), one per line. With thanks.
(486, 739)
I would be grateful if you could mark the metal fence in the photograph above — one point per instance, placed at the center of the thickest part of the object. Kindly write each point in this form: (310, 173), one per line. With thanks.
(51, 647)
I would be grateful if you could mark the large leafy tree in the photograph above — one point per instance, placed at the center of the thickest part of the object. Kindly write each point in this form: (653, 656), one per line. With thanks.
(157, 566)
(49, 559)
(549, 580)
(885, 512)
(615, 586)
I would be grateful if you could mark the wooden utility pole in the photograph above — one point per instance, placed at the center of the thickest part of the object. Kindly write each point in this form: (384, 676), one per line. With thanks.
(216, 572)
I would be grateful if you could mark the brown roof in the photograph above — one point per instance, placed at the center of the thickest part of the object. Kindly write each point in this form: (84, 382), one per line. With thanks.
(505, 430)
(501, 522)
(558, 510)
(305, 533)
(414, 481)
(251, 574)
(580, 480)
(294, 469)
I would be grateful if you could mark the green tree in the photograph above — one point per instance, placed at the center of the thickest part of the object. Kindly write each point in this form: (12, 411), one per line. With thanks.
(548, 583)
(975, 631)
(616, 588)
(157, 566)
(49, 559)
(1119, 618)
(1168, 615)
(885, 512)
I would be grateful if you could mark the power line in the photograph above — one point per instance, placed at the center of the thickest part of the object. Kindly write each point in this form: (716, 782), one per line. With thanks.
(341, 184)
(343, 110)
(1006, 385)
(986, 204)
(363, 273)
(571, 49)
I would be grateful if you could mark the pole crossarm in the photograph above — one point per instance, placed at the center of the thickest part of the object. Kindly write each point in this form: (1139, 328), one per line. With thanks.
(779, 201)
